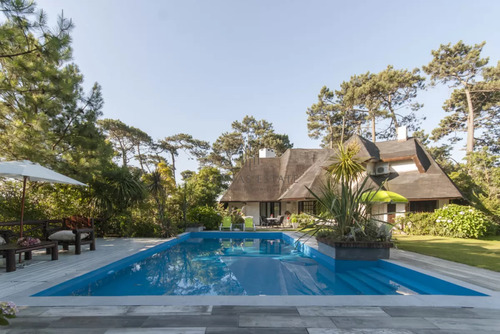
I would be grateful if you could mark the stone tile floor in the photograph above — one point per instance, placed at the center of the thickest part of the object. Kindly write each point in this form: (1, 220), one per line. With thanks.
(254, 319)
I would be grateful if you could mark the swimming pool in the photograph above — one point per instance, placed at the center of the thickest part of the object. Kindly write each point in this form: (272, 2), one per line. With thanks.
(237, 263)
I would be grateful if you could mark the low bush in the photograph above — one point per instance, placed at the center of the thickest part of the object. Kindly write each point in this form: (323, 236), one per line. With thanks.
(302, 219)
(419, 223)
(461, 221)
(456, 221)
(206, 216)
(144, 229)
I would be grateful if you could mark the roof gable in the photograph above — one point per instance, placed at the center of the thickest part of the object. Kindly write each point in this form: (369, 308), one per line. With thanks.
(286, 177)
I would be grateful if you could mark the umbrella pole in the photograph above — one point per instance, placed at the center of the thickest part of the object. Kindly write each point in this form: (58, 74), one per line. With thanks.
(22, 212)
(22, 205)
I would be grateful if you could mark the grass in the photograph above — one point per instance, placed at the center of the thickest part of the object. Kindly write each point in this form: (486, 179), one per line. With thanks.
(482, 253)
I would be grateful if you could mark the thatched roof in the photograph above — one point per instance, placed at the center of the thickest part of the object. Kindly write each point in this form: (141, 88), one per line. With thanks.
(265, 179)
(286, 177)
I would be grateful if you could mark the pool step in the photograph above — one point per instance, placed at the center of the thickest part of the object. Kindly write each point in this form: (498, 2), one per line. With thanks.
(375, 283)
(373, 274)
(407, 282)
(357, 284)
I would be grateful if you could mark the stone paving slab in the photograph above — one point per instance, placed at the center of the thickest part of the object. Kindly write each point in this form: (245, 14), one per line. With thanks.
(466, 324)
(485, 313)
(192, 321)
(454, 331)
(237, 310)
(55, 331)
(160, 330)
(445, 312)
(98, 322)
(35, 322)
(358, 331)
(86, 311)
(260, 330)
(169, 309)
(282, 321)
(349, 311)
(249, 320)
(382, 322)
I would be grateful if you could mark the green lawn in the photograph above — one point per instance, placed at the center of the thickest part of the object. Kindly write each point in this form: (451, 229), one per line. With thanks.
(483, 253)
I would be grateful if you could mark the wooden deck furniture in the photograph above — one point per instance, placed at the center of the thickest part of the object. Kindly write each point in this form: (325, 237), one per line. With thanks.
(82, 228)
(10, 250)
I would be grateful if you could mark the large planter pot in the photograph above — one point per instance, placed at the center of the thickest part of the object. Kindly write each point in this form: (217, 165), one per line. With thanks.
(194, 229)
(358, 250)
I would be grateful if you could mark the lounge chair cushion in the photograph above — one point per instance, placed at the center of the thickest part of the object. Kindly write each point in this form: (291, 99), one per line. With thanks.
(66, 236)
(2, 241)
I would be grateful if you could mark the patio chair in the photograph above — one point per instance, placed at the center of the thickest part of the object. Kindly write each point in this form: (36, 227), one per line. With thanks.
(280, 220)
(249, 223)
(76, 231)
(226, 224)
(263, 221)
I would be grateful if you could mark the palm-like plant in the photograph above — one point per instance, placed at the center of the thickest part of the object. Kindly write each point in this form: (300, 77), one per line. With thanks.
(160, 183)
(345, 212)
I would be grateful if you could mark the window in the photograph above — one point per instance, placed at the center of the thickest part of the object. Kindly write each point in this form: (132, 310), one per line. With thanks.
(270, 208)
(308, 207)
(423, 206)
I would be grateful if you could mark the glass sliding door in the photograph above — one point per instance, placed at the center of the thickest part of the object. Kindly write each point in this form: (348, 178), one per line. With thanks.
(270, 208)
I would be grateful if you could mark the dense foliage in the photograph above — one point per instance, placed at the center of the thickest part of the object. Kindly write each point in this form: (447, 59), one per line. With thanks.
(457, 221)
(206, 216)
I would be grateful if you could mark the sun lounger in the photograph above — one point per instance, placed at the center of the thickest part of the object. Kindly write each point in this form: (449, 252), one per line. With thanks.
(249, 225)
(226, 224)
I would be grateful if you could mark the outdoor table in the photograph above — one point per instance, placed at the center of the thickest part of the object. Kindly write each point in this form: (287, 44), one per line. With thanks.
(238, 226)
(272, 221)
(10, 251)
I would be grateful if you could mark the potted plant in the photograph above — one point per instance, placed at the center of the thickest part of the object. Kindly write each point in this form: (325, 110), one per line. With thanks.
(294, 219)
(345, 222)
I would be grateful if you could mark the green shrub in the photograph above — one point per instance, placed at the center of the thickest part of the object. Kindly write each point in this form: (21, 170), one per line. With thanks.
(206, 216)
(419, 223)
(144, 229)
(461, 221)
(456, 221)
(303, 219)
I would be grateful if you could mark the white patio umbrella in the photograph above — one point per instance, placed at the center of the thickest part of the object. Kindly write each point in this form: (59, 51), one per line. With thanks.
(26, 170)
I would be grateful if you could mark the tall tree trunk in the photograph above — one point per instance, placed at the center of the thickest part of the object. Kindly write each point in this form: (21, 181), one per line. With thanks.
(330, 144)
(140, 157)
(393, 114)
(173, 164)
(343, 129)
(373, 128)
(470, 123)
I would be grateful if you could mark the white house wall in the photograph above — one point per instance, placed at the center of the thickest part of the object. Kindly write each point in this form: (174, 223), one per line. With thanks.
(253, 209)
(402, 166)
(380, 211)
(443, 202)
(400, 209)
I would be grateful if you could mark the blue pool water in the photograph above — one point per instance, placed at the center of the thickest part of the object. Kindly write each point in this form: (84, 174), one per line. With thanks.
(248, 264)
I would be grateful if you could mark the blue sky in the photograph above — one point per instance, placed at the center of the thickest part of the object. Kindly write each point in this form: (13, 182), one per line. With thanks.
(195, 66)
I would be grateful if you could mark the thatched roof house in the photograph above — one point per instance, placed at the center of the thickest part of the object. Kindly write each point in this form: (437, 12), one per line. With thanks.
(277, 185)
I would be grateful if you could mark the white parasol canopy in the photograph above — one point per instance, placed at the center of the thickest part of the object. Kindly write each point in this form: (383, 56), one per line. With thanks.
(33, 172)
(26, 170)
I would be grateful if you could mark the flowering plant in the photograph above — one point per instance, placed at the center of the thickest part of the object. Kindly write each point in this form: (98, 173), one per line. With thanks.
(28, 241)
(462, 221)
(8, 310)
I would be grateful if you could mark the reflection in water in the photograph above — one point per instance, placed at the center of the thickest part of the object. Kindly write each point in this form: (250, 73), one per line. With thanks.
(222, 267)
